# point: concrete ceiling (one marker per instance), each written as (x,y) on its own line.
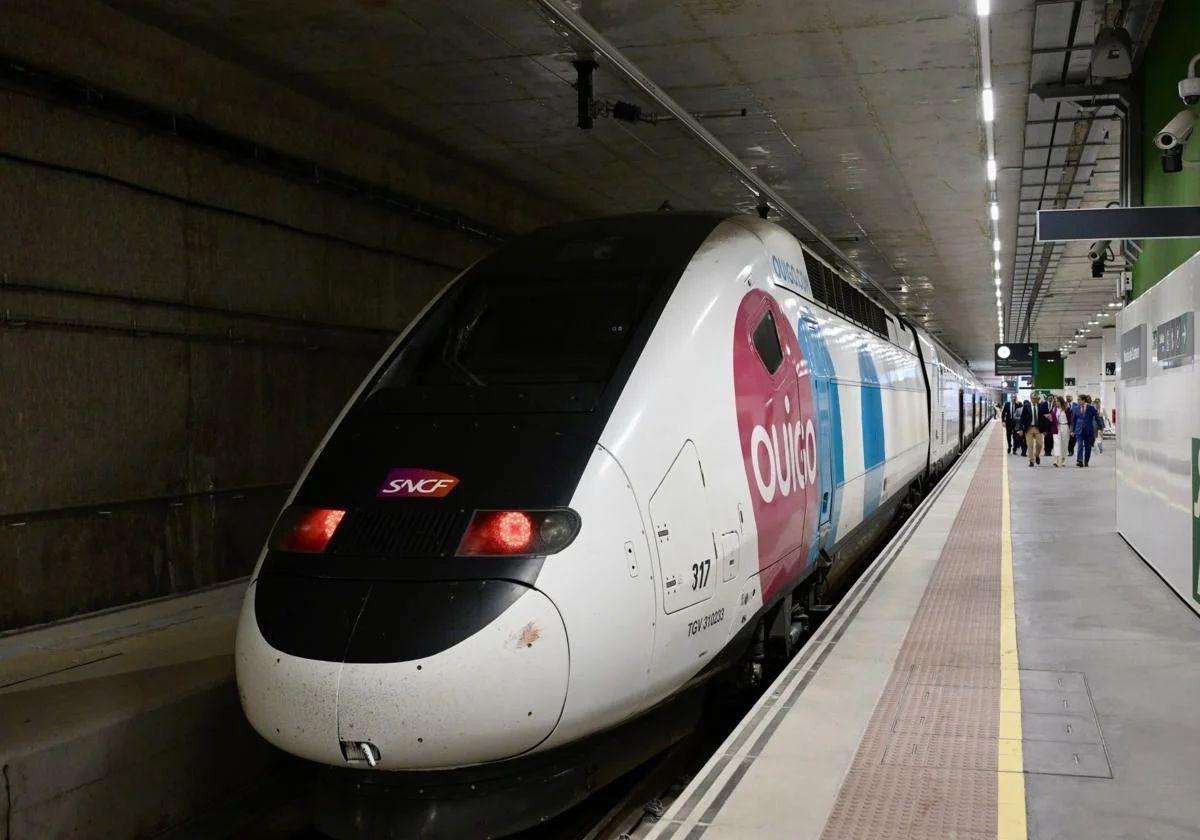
(864,114)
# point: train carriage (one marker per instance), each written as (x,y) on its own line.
(600,469)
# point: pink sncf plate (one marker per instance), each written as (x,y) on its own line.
(414,483)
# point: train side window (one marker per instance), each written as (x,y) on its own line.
(766,343)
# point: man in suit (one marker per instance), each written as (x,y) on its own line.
(1032,438)
(1045,424)
(1006,415)
(1071,406)
(1085,430)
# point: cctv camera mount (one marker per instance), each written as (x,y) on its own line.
(1112,53)
(1176,132)
(1189,88)
(1100,250)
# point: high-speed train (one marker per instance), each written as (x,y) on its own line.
(606,464)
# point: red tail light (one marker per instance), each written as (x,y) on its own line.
(306,530)
(518,532)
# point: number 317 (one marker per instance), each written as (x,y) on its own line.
(700,574)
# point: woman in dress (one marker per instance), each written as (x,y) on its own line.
(1064,431)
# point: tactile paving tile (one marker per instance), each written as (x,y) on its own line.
(946,710)
(926,767)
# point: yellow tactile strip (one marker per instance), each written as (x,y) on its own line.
(927,765)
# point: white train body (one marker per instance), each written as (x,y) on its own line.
(747,432)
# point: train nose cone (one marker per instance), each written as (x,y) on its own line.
(492,695)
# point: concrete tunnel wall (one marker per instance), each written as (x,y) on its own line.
(160,303)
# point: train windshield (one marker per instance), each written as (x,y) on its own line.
(547,323)
(498,331)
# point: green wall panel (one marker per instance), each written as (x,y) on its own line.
(1175,40)
(1049,374)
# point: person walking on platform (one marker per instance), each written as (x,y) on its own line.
(1010,423)
(1046,424)
(1024,421)
(1071,406)
(1099,428)
(1085,430)
(1062,431)
(1033,437)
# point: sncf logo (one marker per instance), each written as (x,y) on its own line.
(409,482)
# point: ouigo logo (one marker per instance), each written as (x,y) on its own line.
(410,482)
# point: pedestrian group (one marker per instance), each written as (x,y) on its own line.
(1036,427)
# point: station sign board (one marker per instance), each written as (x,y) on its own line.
(1133,353)
(1174,341)
(1015,359)
(1068,381)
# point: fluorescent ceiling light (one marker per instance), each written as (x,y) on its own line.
(991,169)
(996,264)
(996,244)
(994,211)
(983,7)
(997,281)
(989,105)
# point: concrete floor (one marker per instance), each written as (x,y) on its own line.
(1113,664)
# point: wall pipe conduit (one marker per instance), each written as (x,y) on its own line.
(22,77)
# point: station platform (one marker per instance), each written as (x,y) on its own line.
(124,723)
(1008,668)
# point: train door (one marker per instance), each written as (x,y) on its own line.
(820,369)
(943,443)
(962,418)
(686,546)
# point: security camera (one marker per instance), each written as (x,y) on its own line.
(1176,132)
(1099,254)
(1189,88)
(1099,250)
(1172,139)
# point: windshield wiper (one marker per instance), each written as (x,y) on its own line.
(450,351)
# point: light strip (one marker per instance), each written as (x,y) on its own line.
(988,102)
